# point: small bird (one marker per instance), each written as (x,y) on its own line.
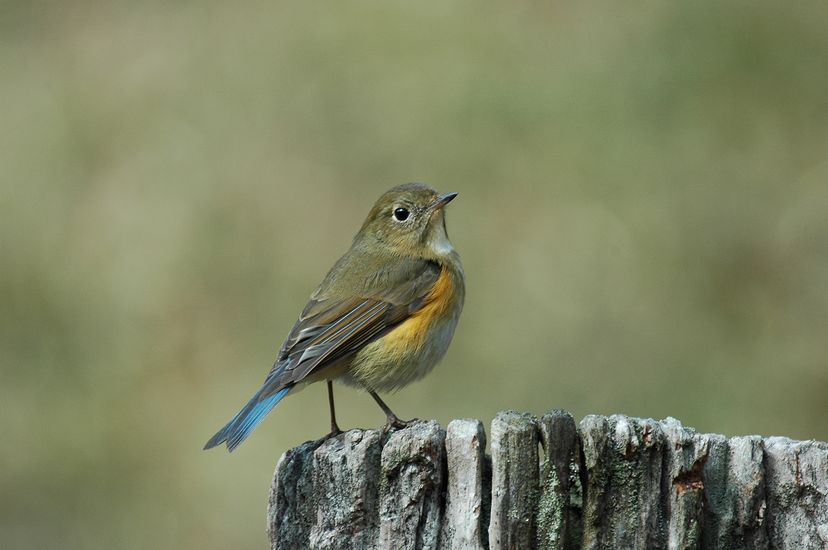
(382,318)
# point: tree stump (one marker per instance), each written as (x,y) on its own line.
(609,483)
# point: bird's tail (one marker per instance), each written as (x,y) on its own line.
(241,425)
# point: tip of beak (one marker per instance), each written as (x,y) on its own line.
(443,200)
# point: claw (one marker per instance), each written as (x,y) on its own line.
(394,423)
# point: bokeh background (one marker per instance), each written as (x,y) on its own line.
(643,217)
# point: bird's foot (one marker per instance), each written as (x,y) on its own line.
(394,423)
(335,431)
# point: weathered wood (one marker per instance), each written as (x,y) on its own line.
(291,508)
(611,482)
(623,458)
(466,518)
(687,454)
(796,480)
(411,487)
(560,501)
(514,480)
(346,480)
(734,481)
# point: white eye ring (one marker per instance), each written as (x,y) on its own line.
(400,214)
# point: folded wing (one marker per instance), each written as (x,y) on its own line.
(334,326)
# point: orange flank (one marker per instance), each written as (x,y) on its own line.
(413,331)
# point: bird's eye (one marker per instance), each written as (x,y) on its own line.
(401,214)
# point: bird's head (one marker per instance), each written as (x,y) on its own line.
(409,220)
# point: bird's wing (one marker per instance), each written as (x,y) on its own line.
(331,328)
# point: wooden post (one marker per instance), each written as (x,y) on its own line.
(610,483)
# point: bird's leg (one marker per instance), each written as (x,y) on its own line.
(393,421)
(335,431)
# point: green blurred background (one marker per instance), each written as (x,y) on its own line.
(643,217)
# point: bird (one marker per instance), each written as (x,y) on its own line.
(382,317)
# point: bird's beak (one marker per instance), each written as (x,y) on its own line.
(441,201)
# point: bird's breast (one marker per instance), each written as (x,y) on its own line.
(414,331)
(414,347)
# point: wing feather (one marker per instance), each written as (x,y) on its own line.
(333,327)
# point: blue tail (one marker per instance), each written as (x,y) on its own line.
(247,419)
